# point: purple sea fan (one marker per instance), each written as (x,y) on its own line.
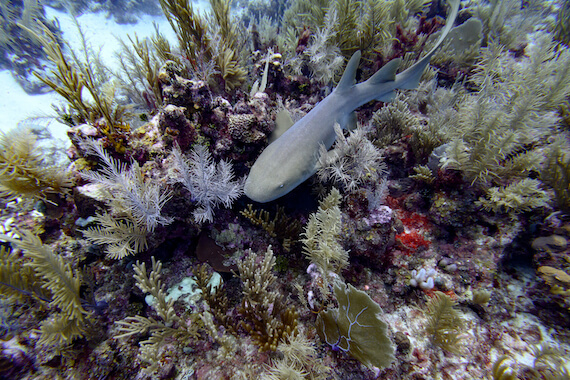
(209,183)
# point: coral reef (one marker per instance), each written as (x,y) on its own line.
(209,183)
(432,241)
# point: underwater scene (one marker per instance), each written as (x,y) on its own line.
(286,189)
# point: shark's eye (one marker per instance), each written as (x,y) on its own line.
(280,186)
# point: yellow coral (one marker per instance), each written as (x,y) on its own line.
(557,279)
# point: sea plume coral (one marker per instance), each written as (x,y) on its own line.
(136,205)
(24,170)
(209,183)
(352,161)
(130,193)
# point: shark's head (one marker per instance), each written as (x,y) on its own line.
(275,174)
(266,188)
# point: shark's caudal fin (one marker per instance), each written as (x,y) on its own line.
(410,78)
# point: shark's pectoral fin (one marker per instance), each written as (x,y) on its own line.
(349,121)
(283,122)
(387,97)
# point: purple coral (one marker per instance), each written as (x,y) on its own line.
(379,215)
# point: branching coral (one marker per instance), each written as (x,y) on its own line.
(524,195)
(18,280)
(227,50)
(549,363)
(265,316)
(281,226)
(197,43)
(501,371)
(216,299)
(556,173)
(190,28)
(322,57)
(131,194)
(493,134)
(562,28)
(140,65)
(493,14)
(136,204)
(24,170)
(232,73)
(71,77)
(352,161)
(351,25)
(299,361)
(305,13)
(444,322)
(122,236)
(169,328)
(395,121)
(346,23)
(505,21)
(60,282)
(321,234)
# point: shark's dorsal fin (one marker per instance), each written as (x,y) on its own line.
(348,78)
(387,73)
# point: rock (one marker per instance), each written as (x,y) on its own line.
(550,243)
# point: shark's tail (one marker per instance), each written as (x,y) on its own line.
(410,78)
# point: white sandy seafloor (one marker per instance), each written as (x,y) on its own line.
(17,108)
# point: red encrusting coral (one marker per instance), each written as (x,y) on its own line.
(412,240)
(416,226)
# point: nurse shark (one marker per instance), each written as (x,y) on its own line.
(292,158)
